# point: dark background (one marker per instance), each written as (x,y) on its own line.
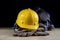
(10,9)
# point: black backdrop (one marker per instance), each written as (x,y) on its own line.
(10,9)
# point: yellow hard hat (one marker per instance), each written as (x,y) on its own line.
(28,19)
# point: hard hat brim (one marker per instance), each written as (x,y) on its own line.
(33,27)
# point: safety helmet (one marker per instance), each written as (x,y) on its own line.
(28,19)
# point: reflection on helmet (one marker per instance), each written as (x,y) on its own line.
(28,19)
